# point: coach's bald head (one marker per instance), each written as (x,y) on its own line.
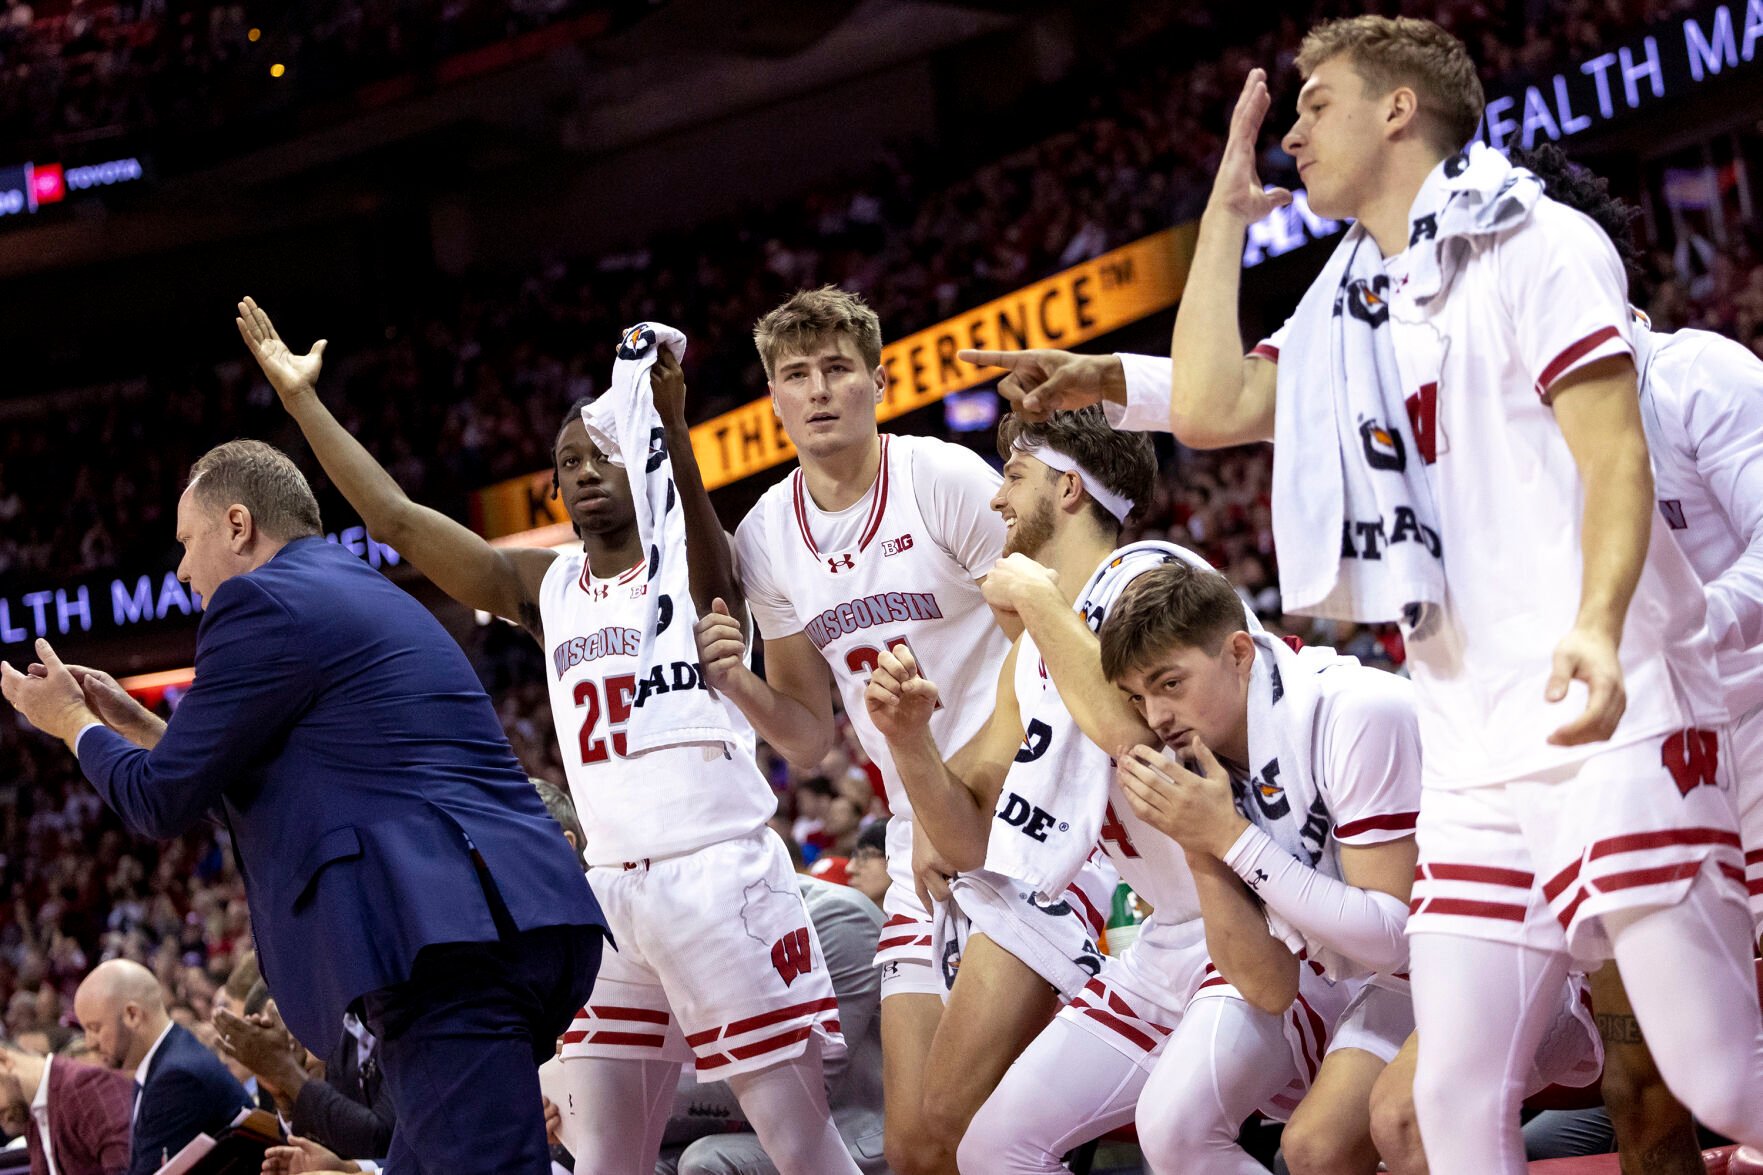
(122,1009)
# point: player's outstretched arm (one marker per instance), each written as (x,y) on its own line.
(709,561)
(1041,382)
(461,563)
(1218,398)
(1021,587)
(952,801)
(1598,411)
(1191,803)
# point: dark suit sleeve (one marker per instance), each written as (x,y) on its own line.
(328,1116)
(177,1107)
(250,686)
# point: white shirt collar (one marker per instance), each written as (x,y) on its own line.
(41,1100)
(147,1061)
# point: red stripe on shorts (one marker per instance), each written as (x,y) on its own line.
(1122,1027)
(1664,838)
(763,1020)
(634,1039)
(1658,875)
(1466,908)
(614,1012)
(1091,915)
(749,1051)
(1486,874)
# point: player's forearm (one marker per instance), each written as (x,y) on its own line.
(383,505)
(1245,953)
(1206,349)
(710,562)
(1616,527)
(1073,657)
(1365,925)
(942,805)
(791,728)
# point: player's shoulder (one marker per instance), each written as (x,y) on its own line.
(775,503)
(931,460)
(1551,229)
(1358,697)
(1690,359)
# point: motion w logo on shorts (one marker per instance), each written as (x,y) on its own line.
(792,955)
(1693,758)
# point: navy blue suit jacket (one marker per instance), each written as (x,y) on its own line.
(361,767)
(187,1092)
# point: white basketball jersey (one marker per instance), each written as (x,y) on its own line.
(660,803)
(896,568)
(1702,403)
(1147,859)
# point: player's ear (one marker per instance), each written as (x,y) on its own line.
(1242,651)
(881,383)
(240,526)
(1401,109)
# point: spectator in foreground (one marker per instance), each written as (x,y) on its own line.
(74,1116)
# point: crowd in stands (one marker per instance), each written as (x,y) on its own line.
(143,72)
(467,390)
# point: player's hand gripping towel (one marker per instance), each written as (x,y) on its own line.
(1345,461)
(624,424)
(1060,779)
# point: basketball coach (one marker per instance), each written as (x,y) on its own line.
(396,858)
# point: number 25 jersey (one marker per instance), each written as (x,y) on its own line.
(663,802)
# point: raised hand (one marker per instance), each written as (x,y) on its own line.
(1015,578)
(50,698)
(667,382)
(115,706)
(721,648)
(899,699)
(292,376)
(1237,189)
(1042,382)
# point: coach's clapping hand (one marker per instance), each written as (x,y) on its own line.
(722,649)
(114,706)
(292,376)
(1192,805)
(899,699)
(50,698)
(1042,382)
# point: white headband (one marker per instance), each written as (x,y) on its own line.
(1053,459)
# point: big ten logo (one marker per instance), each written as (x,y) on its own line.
(895,546)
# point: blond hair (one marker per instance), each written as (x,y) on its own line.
(809,317)
(1387,52)
(265,481)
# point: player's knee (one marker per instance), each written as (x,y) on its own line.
(1395,1130)
(1171,1128)
(1721,1103)
(1315,1145)
(985,1141)
(908,1151)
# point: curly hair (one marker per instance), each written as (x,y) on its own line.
(1585,191)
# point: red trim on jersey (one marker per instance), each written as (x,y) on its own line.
(1091,915)
(1664,838)
(1754,857)
(583,580)
(1466,908)
(1755,886)
(1560,363)
(1318,1030)
(1388,822)
(1486,874)
(1215,981)
(1265,351)
(878,504)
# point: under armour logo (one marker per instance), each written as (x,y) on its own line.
(1260,876)
(838,563)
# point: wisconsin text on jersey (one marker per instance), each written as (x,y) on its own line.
(868,611)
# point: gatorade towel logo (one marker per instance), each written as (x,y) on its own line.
(1384,448)
(636,341)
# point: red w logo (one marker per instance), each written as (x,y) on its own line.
(792,955)
(1423,415)
(1692,757)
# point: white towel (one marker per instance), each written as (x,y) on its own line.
(623,422)
(1345,461)
(1281,794)
(1059,783)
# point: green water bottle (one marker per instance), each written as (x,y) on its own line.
(1125,916)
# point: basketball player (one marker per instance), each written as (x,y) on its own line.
(1606,836)
(1083,1074)
(717,962)
(878,542)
